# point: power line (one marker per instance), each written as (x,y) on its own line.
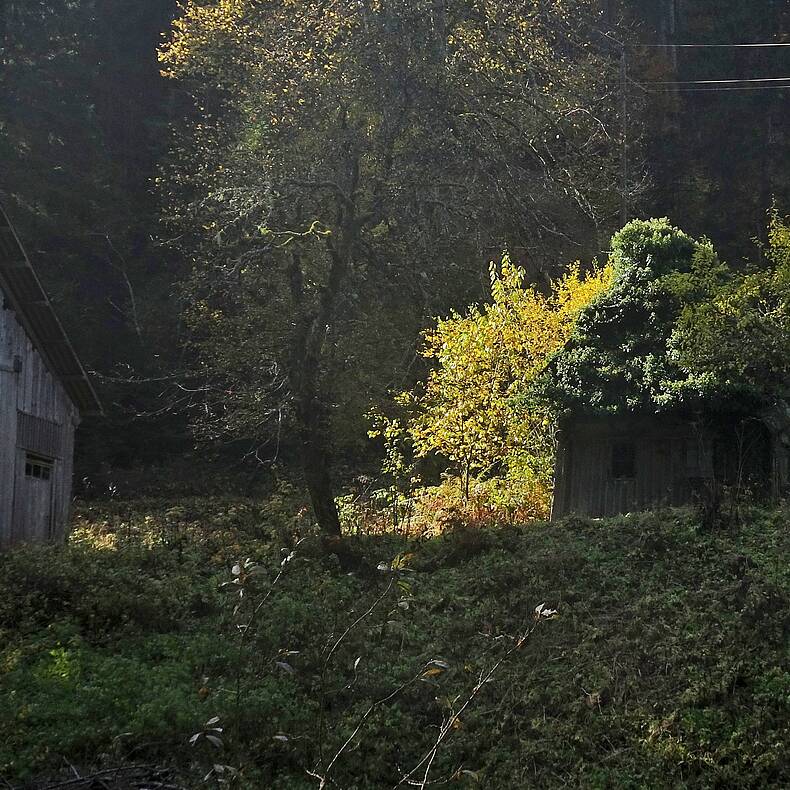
(703,46)
(716,82)
(644,89)
(712,86)
(646,45)
(716,90)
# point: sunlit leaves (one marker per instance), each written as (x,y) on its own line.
(475,408)
(738,338)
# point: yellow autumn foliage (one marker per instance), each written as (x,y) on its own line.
(475,407)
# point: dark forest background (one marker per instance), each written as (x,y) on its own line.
(87,124)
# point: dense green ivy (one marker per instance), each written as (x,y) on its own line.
(629,350)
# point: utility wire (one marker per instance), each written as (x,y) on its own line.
(645,45)
(711,86)
(716,82)
(717,90)
(642,87)
(701,46)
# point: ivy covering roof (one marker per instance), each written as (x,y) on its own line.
(620,358)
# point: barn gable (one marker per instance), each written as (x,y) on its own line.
(44,391)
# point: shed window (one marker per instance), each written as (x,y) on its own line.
(37,467)
(623,459)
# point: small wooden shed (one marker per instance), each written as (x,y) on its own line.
(44,392)
(608,465)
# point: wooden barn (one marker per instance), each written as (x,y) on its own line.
(43,394)
(609,465)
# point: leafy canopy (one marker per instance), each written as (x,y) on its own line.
(618,356)
(679,329)
(348,167)
(740,338)
(475,407)
(392,128)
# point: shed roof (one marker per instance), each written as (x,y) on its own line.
(27,298)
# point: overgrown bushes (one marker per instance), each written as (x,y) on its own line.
(665,669)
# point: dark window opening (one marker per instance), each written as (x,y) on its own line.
(623,459)
(693,451)
(38,468)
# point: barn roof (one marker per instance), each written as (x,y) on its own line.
(34,311)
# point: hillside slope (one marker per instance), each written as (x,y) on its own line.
(666,666)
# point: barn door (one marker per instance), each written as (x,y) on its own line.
(33,500)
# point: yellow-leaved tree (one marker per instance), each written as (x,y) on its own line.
(476,408)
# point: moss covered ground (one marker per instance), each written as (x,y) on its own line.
(667,665)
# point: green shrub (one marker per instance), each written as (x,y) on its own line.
(665,669)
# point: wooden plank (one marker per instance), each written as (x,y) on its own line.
(8,396)
(34,390)
(669,453)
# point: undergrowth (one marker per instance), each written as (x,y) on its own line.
(667,665)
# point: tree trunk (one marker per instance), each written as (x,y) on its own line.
(305,375)
(316,461)
(316,465)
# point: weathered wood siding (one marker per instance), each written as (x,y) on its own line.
(670,462)
(37,417)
